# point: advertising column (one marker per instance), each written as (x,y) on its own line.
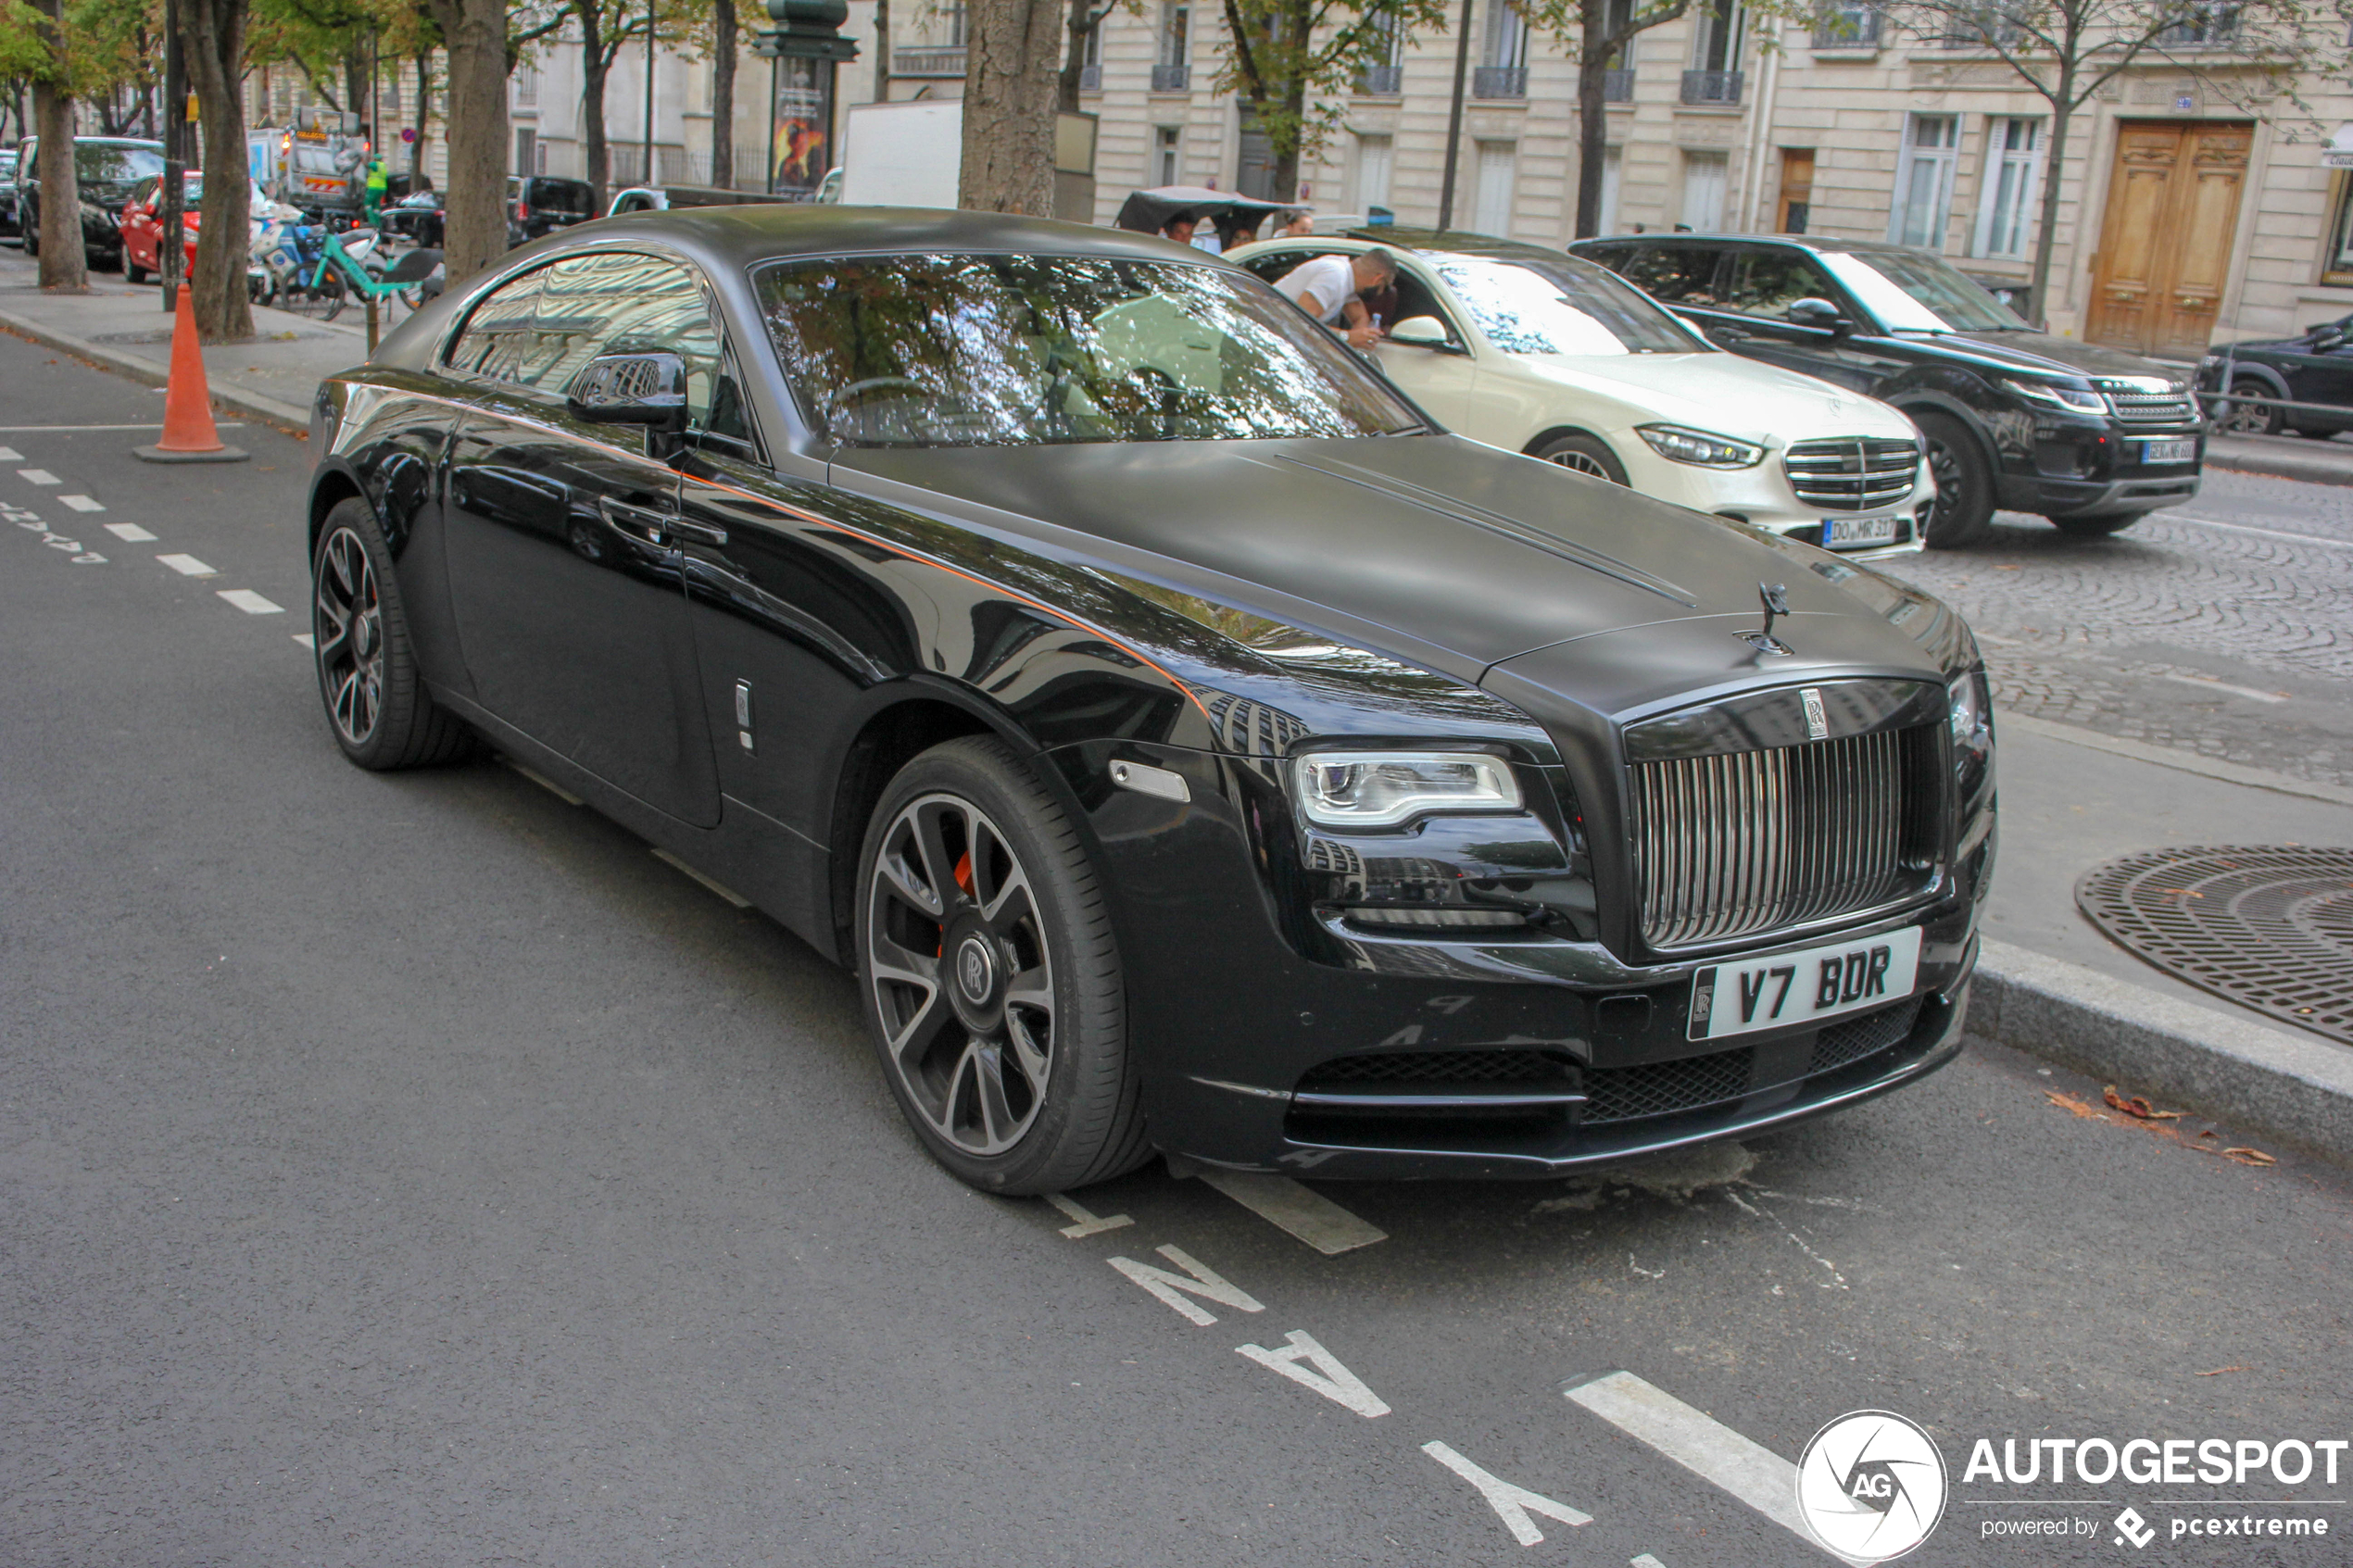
(807,51)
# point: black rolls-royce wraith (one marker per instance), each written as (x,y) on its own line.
(1188,744)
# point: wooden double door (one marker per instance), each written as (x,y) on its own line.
(2165,245)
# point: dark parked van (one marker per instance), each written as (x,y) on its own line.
(2092,438)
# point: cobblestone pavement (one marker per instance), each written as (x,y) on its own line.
(2224,627)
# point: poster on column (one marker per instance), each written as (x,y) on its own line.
(804,126)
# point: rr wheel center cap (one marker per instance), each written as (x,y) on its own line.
(975,971)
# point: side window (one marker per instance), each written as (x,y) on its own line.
(1674,274)
(1766,282)
(1272,267)
(501,338)
(1414,298)
(618,303)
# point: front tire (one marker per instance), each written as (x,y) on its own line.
(2252,410)
(990,977)
(1582,453)
(1964,513)
(131,271)
(377,705)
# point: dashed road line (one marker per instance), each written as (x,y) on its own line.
(1646,1560)
(1512,1504)
(250,602)
(666,857)
(130,532)
(2209,683)
(2250,528)
(1308,1215)
(10,454)
(1701,1443)
(38,476)
(187,566)
(306,640)
(81,503)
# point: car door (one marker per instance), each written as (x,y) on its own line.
(1750,316)
(2320,374)
(141,234)
(1444,380)
(564,571)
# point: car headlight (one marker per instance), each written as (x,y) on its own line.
(1380,789)
(2075,400)
(1708,450)
(1970,702)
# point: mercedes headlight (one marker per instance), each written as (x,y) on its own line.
(1382,789)
(2075,400)
(1703,449)
(1970,702)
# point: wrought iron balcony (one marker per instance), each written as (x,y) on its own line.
(1499,82)
(1850,29)
(1380,82)
(1618,87)
(927,62)
(1172,79)
(1711,87)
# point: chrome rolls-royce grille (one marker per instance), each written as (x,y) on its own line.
(1852,473)
(2144,406)
(1742,841)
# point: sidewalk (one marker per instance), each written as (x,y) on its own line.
(2049,982)
(122,327)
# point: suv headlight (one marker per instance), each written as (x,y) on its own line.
(1677,443)
(1380,789)
(1971,705)
(2075,400)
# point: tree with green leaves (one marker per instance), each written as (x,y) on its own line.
(1292,63)
(2249,54)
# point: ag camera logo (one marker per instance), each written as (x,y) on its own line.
(1871,1486)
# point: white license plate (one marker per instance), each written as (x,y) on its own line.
(1845,533)
(2168,451)
(1782,989)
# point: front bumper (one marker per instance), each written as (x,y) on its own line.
(1228,1019)
(1760,494)
(2063,468)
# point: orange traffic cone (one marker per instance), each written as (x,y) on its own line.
(188,432)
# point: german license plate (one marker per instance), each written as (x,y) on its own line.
(1784,989)
(2168,451)
(1849,532)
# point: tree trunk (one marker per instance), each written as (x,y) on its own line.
(1593,124)
(882,51)
(2038,309)
(424,118)
(1083,22)
(474,32)
(596,65)
(723,94)
(213,34)
(63,265)
(1286,173)
(1013,58)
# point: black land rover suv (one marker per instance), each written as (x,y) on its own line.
(2092,438)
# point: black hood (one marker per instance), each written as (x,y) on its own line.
(2048,353)
(1432,548)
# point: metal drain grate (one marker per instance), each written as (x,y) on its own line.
(2267,926)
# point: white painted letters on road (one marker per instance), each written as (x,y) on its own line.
(1330,1379)
(1204,1282)
(1512,1504)
(1086,1223)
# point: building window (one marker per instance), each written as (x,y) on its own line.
(2203,27)
(1090,59)
(2013,182)
(1613,164)
(1924,182)
(955,19)
(526,151)
(1170,73)
(1498,171)
(1168,157)
(1376,155)
(1797,190)
(1704,175)
(1716,38)
(2336,268)
(1383,72)
(1505,74)
(526,86)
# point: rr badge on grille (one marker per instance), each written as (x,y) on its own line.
(1817,723)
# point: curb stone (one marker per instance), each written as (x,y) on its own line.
(2250,456)
(227,395)
(2298,1089)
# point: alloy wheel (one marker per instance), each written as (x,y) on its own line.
(346,624)
(963,978)
(2248,417)
(1580,462)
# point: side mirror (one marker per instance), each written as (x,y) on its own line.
(1420,331)
(631,389)
(1817,313)
(2325,339)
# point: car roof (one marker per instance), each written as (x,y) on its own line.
(1791,242)
(1454,242)
(742,236)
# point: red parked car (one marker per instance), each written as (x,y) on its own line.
(143,227)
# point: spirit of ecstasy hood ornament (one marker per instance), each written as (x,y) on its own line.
(1775,596)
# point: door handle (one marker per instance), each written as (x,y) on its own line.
(657,525)
(699,533)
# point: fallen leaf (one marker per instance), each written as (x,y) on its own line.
(2210,1133)
(2246,1155)
(2137,1108)
(2010,569)
(2221,1369)
(2069,1102)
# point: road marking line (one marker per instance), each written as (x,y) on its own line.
(728,893)
(1646,1560)
(550,785)
(306,640)
(92,558)
(1330,1379)
(1205,1281)
(38,476)
(1512,1504)
(1089,1224)
(1701,1443)
(250,602)
(130,532)
(187,566)
(2250,528)
(2211,685)
(81,503)
(10,454)
(1310,1216)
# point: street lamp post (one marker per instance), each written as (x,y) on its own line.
(649,95)
(170,254)
(806,52)
(1454,121)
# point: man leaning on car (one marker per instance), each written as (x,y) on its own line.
(1332,286)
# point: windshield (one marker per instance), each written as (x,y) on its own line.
(1568,308)
(100,164)
(1016,350)
(1911,293)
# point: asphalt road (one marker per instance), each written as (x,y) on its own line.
(415,1169)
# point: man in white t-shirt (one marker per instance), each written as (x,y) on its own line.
(1331,289)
